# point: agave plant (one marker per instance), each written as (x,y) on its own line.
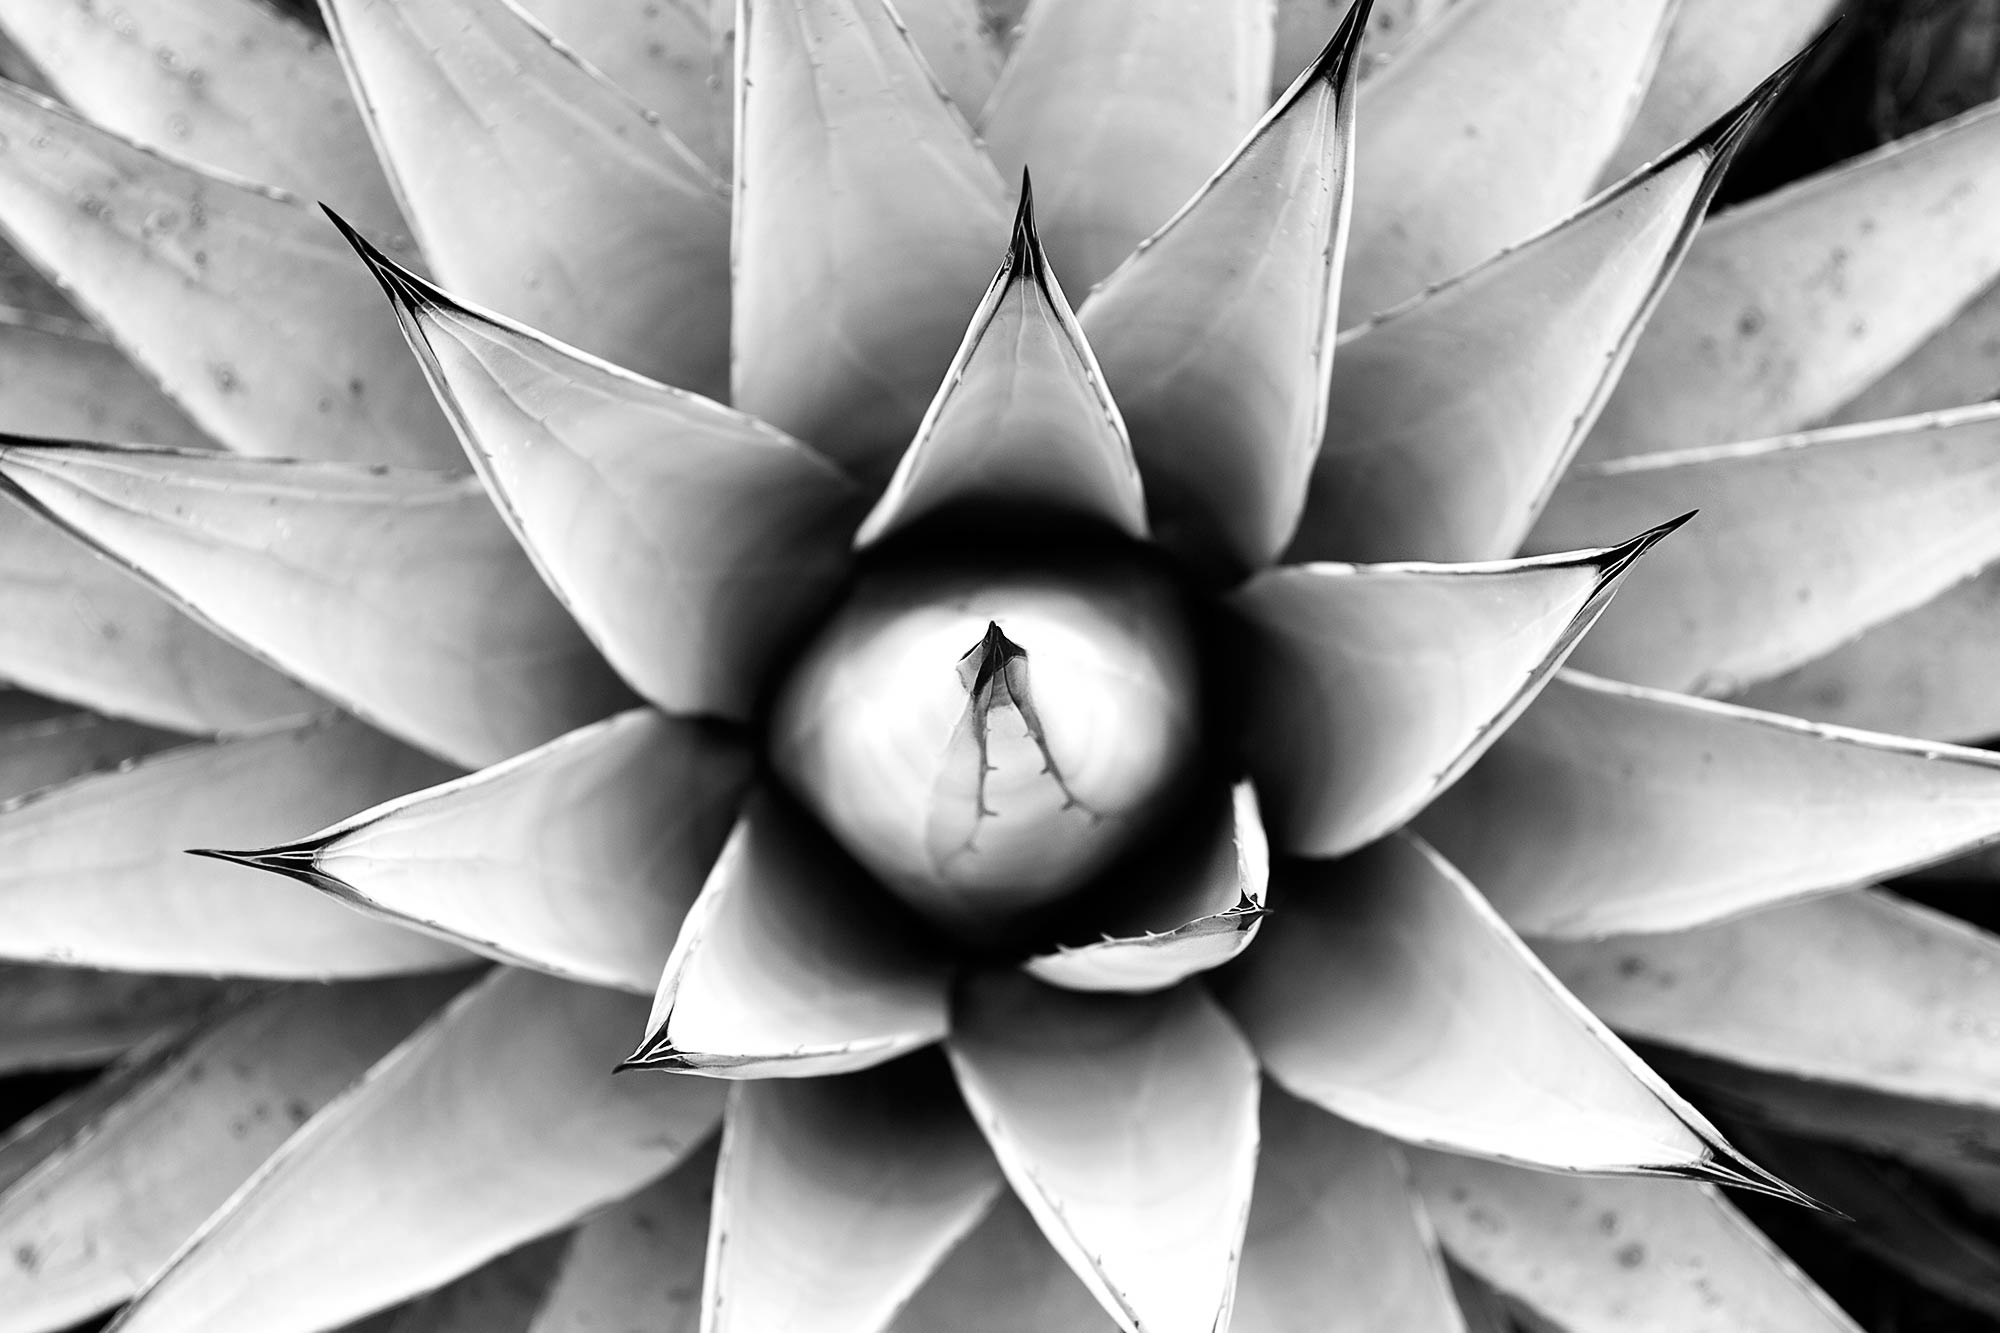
(1074,781)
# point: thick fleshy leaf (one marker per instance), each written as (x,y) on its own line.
(637,1264)
(1613,808)
(1861,999)
(48,1129)
(64,379)
(1715,51)
(1801,543)
(956,40)
(1128,1126)
(1004,1278)
(1489,127)
(1788,305)
(400,594)
(793,964)
(1960,363)
(866,219)
(1123,108)
(1337,1241)
(836,1197)
(1192,904)
(1592,1255)
(66,1018)
(58,749)
(94,875)
(593,223)
(1023,419)
(689,540)
(241,301)
(229,84)
(1450,420)
(497,1122)
(578,858)
(75,626)
(94,1221)
(1374,686)
(1220,362)
(1389,993)
(668,56)
(1929,672)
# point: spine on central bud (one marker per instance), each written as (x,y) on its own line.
(987,743)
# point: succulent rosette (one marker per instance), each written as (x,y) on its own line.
(1137,787)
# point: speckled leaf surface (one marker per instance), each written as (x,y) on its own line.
(64,379)
(638,1263)
(493,1124)
(400,594)
(1801,543)
(229,84)
(241,301)
(88,1226)
(1613,808)
(1789,304)
(595,224)
(1618,1256)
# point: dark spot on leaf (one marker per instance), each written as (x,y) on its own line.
(1631,1256)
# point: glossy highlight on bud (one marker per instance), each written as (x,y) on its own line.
(987,742)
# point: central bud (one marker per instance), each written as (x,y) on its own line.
(984,742)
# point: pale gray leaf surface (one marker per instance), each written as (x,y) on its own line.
(1023,417)
(638,1264)
(689,540)
(865,224)
(1216,336)
(229,84)
(592,222)
(1003,1278)
(792,963)
(401,595)
(1928,672)
(1338,1242)
(1612,808)
(1374,686)
(241,301)
(1389,993)
(1122,108)
(95,874)
(1304,25)
(75,626)
(666,53)
(1128,1126)
(957,41)
(1788,305)
(505,1295)
(64,379)
(1597,1255)
(1450,419)
(89,1225)
(1960,363)
(50,1127)
(836,1197)
(1190,905)
(69,1018)
(1858,989)
(1715,52)
(1801,543)
(497,1122)
(1491,125)
(578,858)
